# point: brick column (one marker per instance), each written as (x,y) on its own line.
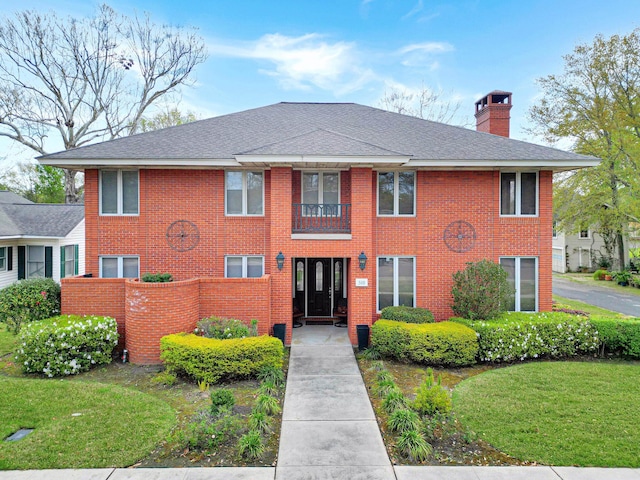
(280,241)
(362,300)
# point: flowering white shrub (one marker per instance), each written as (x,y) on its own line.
(517,336)
(66,345)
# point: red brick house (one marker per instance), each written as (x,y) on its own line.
(308,206)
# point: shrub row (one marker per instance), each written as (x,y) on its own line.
(407,314)
(66,345)
(621,337)
(518,336)
(29,300)
(209,360)
(444,343)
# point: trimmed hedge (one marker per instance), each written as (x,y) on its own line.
(209,359)
(443,343)
(621,337)
(66,345)
(407,314)
(518,336)
(29,300)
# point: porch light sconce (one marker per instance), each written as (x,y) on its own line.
(280,260)
(362,260)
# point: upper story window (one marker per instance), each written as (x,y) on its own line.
(119,192)
(243,266)
(554,233)
(584,234)
(519,193)
(119,267)
(396,193)
(244,193)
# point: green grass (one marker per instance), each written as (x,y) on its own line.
(116,426)
(585,307)
(7,341)
(557,413)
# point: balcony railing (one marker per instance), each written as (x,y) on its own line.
(321,218)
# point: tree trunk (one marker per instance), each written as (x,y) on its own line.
(620,242)
(71,193)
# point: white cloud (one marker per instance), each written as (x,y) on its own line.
(422,54)
(416,9)
(303,62)
(427,47)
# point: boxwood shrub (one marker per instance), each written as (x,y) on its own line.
(66,345)
(407,314)
(29,300)
(620,337)
(443,343)
(516,336)
(210,359)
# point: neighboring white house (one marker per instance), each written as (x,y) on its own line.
(573,252)
(39,240)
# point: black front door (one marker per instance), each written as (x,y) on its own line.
(319,287)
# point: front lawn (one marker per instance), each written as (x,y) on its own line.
(7,341)
(78,425)
(557,413)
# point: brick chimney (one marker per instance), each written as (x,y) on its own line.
(492,113)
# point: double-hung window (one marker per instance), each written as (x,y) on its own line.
(320,188)
(3,258)
(519,193)
(236,266)
(119,192)
(35,261)
(396,281)
(119,267)
(396,193)
(522,274)
(244,193)
(68,260)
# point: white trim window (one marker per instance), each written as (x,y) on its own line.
(584,234)
(244,193)
(396,281)
(119,192)
(519,194)
(523,276)
(126,266)
(554,232)
(3,259)
(241,266)
(396,193)
(35,261)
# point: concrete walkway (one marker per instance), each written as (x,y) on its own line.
(329,432)
(329,429)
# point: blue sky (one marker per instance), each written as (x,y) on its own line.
(262,52)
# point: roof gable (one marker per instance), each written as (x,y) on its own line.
(39,220)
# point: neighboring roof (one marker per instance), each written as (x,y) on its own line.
(39,219)
(301,130)
(10,197)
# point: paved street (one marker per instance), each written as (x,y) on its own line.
(603,297)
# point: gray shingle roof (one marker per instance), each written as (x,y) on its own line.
(10,197)
(321,128)
(39,219)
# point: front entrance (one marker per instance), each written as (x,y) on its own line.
(319,285)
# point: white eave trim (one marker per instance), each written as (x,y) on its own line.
(30,237)
(497,164)
(320,159)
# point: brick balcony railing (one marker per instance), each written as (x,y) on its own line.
(321,218)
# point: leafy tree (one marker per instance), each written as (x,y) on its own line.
(425,103)
(595,104)
(168,118)
(38,183)
(70,81)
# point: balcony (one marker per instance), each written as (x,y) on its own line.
(321,218)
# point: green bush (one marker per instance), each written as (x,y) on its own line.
(443,343)
(66,345)
(222,400)
(520,336)
(225,328)
(599,274)
(209,360)
(481,291)
(157,277)
(618,336)
(29,300)
(432,397)
(407,314)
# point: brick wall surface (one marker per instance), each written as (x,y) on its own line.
(442,197)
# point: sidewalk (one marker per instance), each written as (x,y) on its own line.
(329,432)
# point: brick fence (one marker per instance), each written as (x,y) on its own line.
(145,312)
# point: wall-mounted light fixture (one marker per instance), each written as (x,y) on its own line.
(280,260)
(362,260)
